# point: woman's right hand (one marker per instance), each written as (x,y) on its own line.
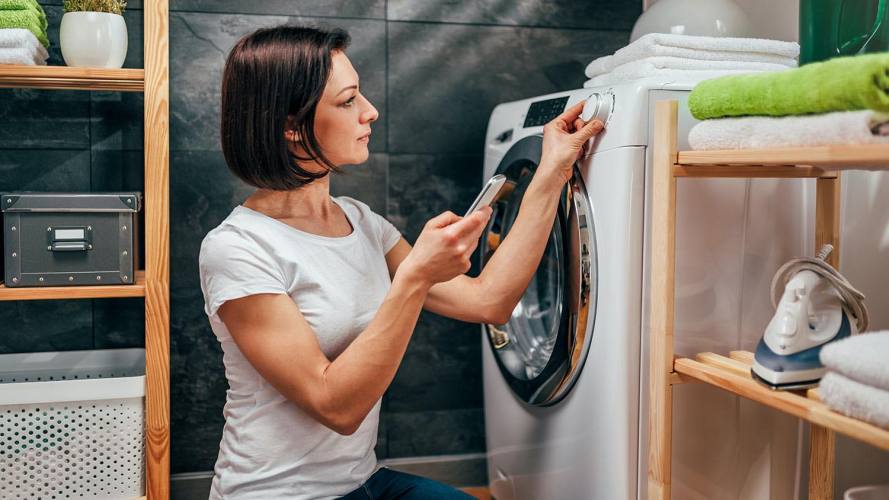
(444,247)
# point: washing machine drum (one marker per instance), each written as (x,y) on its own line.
(542,348)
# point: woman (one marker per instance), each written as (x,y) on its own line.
(314,298)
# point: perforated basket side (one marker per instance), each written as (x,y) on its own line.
(83,449)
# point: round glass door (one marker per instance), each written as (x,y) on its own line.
(541,349)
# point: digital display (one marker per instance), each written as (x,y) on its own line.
(542,112)
(70,234)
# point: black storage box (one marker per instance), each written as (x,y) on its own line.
(56,239)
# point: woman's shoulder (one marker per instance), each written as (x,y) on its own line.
(358,210)
(231,236)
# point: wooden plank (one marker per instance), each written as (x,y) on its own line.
(822,453)
(137,289)
(70,78)
(157,249)
(792,403)
(747,172)
(836,157)
(678,378)
(745,357)
(728,364)
(827,217)
(663,264)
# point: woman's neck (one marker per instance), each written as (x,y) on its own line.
(312,200)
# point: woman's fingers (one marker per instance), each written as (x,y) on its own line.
(586,132)
(571,114)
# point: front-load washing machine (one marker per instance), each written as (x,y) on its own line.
(564,378)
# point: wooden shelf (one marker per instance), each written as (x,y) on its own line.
(137,289)
(68,78)
(733,374)
(839,157)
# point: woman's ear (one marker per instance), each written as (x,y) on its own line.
(291,136)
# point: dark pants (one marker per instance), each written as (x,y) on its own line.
(390,484)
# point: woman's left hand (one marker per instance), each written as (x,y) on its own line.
(563,141)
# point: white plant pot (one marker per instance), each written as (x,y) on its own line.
(93,39)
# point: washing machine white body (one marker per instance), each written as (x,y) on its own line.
(590,441)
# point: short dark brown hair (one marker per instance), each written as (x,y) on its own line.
(269,75)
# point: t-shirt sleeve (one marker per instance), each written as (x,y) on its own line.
(231,267)
(390,234)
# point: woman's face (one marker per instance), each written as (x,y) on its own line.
(343,115)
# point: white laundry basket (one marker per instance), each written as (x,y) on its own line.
(72,424)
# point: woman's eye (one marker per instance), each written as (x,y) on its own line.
(349,102)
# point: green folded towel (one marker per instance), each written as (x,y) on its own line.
(840,84)
(26,19)
(25,5)
(20,5)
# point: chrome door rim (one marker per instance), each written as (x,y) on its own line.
(575,217)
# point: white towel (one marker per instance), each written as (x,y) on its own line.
(855,399)
(18,38)
(664,66)
(22,57)
(864,358)
(761,132)
(700,48)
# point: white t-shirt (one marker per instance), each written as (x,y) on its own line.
(270,448)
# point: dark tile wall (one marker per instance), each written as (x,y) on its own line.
(435,70)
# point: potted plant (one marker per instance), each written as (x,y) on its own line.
(93,33)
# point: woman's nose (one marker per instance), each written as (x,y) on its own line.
(370,114)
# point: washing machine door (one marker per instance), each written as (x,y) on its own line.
(542,348)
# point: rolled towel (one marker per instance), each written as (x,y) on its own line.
(861,357)
(26,19)
(20,38)
(762,132)
(661,66)
(24,57)
(854,399)
(700,48)
(840,84)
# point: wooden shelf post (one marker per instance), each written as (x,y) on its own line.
(157,250)
(663,262)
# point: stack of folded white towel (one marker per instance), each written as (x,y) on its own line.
(698,57)
(857,381)
(20,46)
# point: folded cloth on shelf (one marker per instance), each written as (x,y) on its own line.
(762,132)
(699,48)
(839,84)
(675,67)
(27,19)
(854,399)
(864,358)
(20,38)
(20,5)
(24,57)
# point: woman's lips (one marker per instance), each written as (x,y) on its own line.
(364,138)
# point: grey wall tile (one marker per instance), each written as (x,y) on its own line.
(117,170)
(199,44)
(436,432)
(44,170)
(442,94)
(422,186)
(44,119)
(203,193)
(46,325)
(591,14)
(330,8)
(441,369)
(198,384)
(118,323)
(365,182)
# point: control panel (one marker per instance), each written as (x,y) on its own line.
(541,112)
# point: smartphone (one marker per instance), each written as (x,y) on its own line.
(488,194)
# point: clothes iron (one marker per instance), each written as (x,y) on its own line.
(814,305)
